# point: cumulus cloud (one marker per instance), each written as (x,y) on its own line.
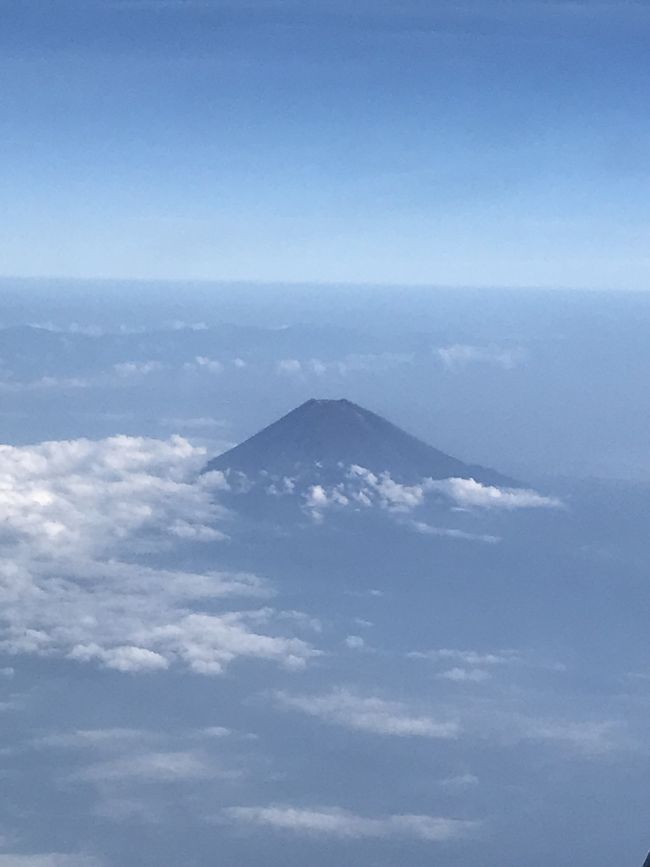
(73,512)
(469,493)
(459,355)
(369,714)
(341,824)
(363,488)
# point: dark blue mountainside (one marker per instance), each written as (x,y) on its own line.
(322,437)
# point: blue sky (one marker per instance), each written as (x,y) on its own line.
(476,143)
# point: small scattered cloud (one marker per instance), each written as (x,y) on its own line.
(92,739)
(370,714)
(53,859)
(290,366)
(130,369)
(468,493)
(458,356)
(154,767)
(336,823)
(205,364)
(589,737)
(349,364)
(452,533)
(460,781)
(465,675)
(468,657)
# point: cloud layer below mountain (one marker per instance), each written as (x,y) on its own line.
(79,518)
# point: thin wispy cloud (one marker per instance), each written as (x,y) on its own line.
(336,823)
(458,356)
(367,714)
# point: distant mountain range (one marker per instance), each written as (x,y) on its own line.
(320,438)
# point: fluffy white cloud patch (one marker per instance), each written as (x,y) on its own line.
(368,713)
(363,489)
(349,364)
(73,512)
(342,824)
(469,493)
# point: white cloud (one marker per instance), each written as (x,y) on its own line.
(459,355)
(215,732)
(460,781)
(470,493)
(71,509)
(8,859)
(451,533)
(352,363)
(44,383)
(203,363)
(342,824)
(154,767)
(129,369)
(289,366)
(363,489)
(391,494)
(468,657)
(370,714)
(590,737)
(124,658)
(468,666)
(94,738)
(465,675)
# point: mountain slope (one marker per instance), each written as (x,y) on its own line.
(324,436)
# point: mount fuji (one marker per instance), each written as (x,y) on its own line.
(321,438)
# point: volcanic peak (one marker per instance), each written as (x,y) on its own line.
(321,436)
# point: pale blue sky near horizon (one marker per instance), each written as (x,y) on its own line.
(473,143)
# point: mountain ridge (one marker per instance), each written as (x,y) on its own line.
(324,435)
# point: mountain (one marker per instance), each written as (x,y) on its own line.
(321,438)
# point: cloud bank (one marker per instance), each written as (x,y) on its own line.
(73,513)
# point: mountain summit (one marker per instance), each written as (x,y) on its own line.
(321,437)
